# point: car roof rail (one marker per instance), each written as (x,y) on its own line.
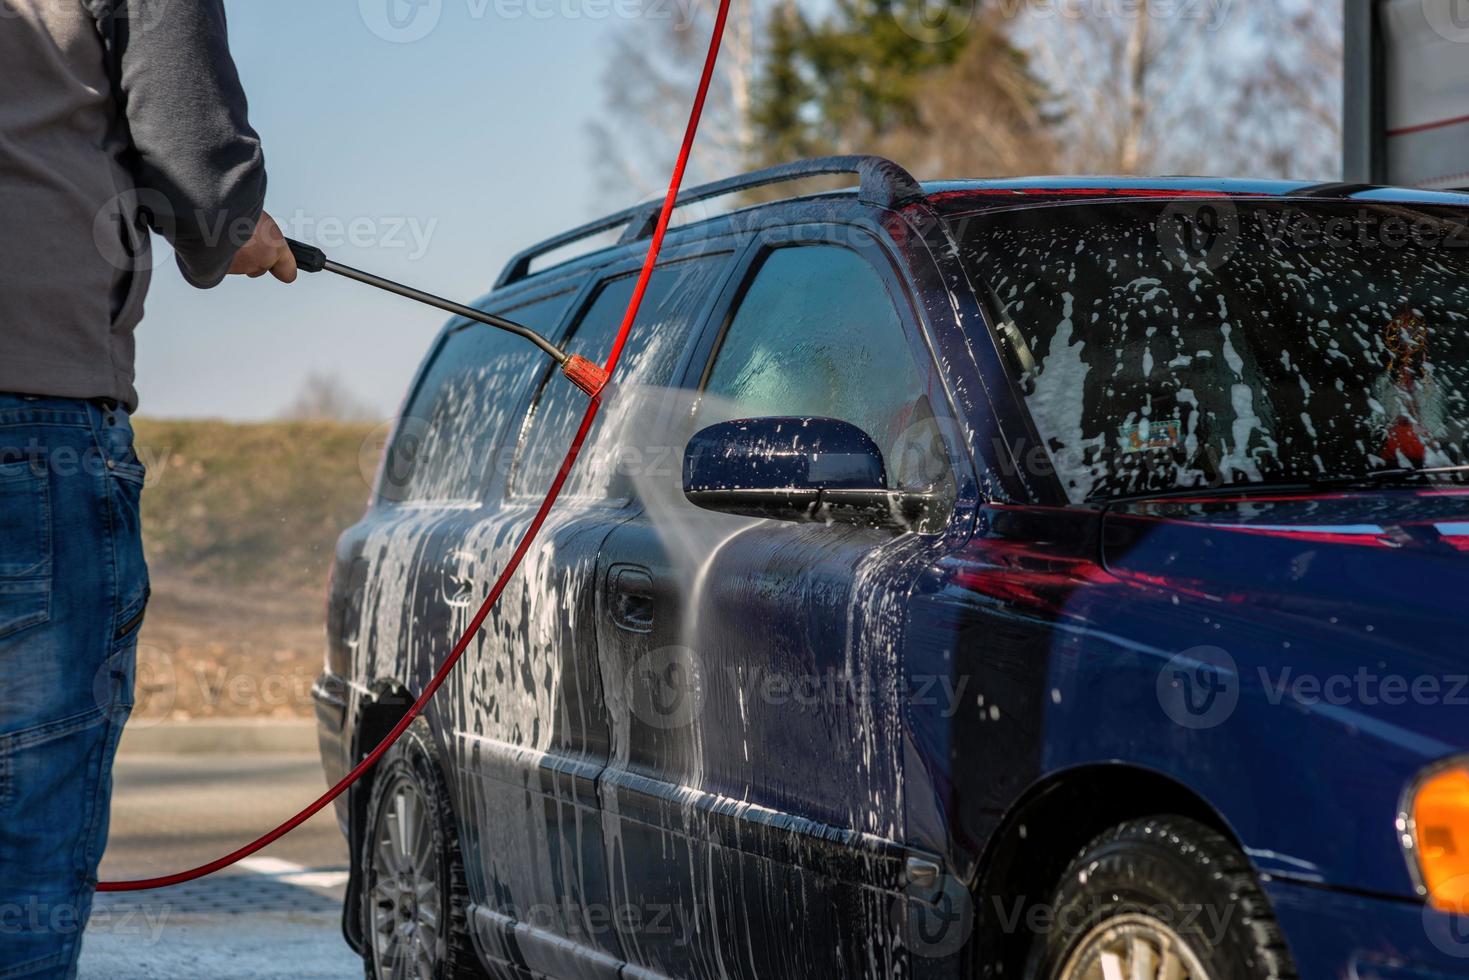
(882,183)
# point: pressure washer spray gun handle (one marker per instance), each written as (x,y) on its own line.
(309,258)
(585,374)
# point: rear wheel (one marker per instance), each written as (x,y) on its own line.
(415,900)
(1162,898)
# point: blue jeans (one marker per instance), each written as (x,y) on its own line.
(73,586)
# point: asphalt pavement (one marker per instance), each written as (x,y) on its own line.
(277,915)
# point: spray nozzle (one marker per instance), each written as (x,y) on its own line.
(586,375)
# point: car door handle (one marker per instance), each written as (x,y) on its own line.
(630,598)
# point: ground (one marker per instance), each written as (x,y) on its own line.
(211,651)
(279,915)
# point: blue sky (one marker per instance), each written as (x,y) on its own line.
(430,161)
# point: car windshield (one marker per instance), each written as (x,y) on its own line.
(1208,342)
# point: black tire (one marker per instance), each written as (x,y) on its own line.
(1169,870)
(410,770)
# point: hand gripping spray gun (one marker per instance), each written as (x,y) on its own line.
(586,375)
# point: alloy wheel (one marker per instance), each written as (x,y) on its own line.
(1133,947)
(406,900)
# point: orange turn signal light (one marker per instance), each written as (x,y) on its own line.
(1440,811)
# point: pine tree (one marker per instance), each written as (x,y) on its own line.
(886,75)
(782,92)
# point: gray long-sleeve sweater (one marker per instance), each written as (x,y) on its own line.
(116,116)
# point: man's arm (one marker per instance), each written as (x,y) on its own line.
(189,121)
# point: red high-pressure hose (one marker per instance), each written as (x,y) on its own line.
(654,247)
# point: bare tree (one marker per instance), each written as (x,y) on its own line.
(982,116)
(1249,86)
(1288,97)
(1119,72)
(1127,86)
(1138,60)
(324,397)
(652,74)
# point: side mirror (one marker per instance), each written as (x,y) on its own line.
(798,469)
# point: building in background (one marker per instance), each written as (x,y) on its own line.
(1407,92)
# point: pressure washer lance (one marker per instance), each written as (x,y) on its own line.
(586,375)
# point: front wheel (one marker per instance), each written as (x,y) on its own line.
(1162,898)
(414,896)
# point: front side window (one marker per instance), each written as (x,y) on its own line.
(816,333)
(1167,346)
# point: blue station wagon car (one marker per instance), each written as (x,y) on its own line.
(1050,578)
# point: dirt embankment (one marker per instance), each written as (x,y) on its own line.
(239,522)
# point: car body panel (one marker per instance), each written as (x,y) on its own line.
(1362,937)
(1026,642)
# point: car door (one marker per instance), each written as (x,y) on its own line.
(528,712)
(754,798)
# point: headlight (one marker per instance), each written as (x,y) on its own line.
(1434,826)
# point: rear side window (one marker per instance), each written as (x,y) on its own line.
(660,335)
(456,430)
(817,334)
